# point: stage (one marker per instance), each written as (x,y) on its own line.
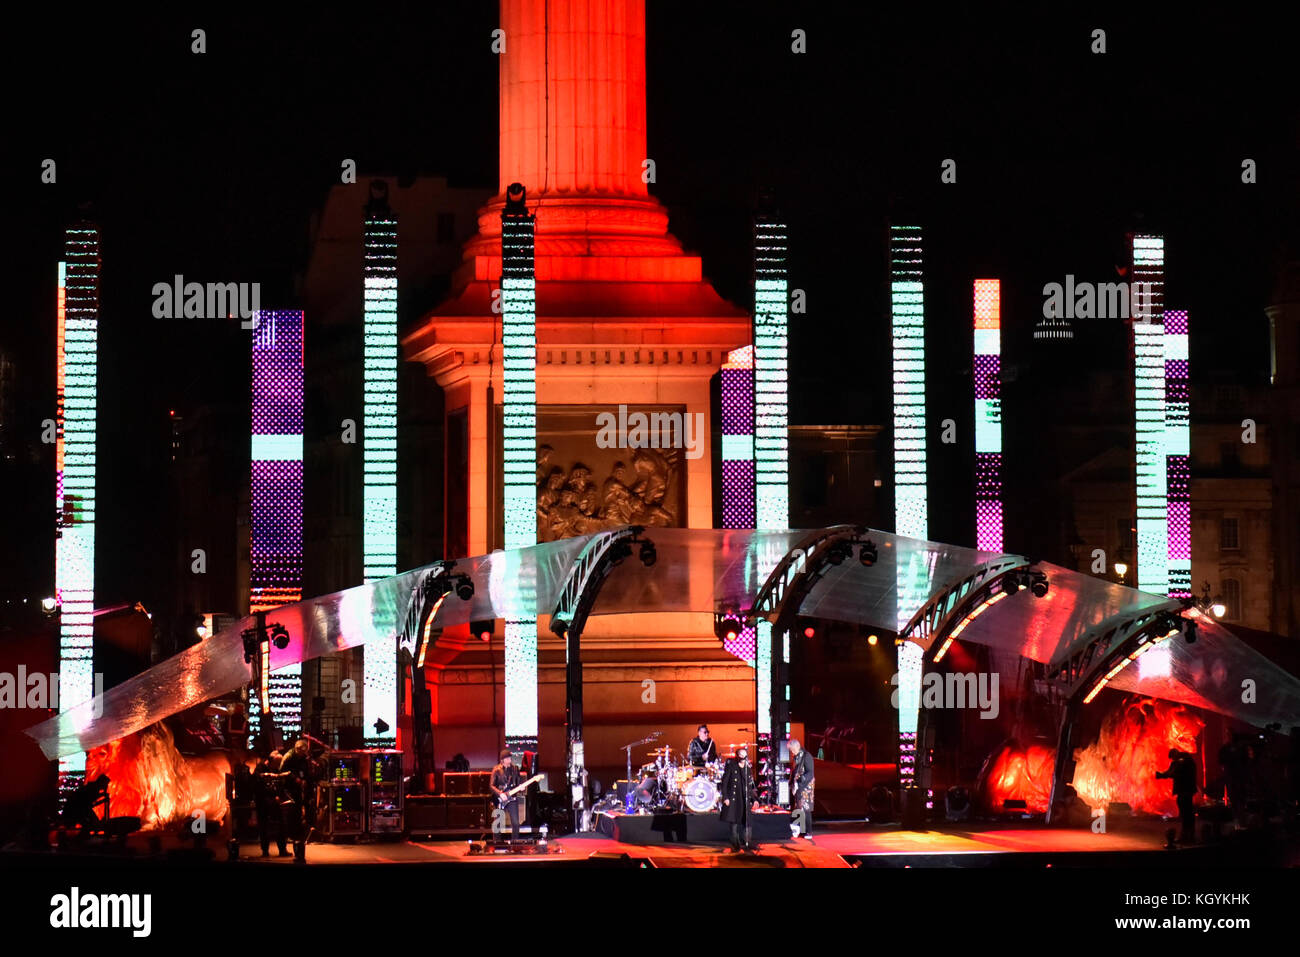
(1139,845)
(687,828)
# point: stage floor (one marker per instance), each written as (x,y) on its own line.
(1027,845)
(835,845)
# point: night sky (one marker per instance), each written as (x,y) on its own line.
(211,165)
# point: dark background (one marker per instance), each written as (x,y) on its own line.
(210,166)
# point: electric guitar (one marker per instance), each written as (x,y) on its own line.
(506,797)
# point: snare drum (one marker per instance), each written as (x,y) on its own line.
(685,775)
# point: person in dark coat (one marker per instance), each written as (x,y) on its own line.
(266,795)
(738,793)
(801,778)
(1182,771)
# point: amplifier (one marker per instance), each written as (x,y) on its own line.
(425,813)
(468,813)
(466,782)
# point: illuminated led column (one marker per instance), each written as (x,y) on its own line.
(78,370)
(738,439)
(1178,440)
(988,415)
(771,400)
(771,421)
(519,458)
(907,305)
(738,462)
(907,300)
(379,452)
(275,493)
(1149,394)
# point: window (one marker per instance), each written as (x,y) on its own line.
(1232,599)
(1228,535)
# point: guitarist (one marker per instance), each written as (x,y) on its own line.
(504,777)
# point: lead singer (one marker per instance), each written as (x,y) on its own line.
(738,798)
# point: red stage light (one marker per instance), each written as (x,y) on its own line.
(809,632)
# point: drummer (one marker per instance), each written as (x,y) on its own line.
(702,750)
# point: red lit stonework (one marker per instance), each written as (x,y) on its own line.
(624,315)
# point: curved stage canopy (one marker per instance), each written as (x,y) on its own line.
(703,571)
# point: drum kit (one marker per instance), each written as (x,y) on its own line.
(671,783)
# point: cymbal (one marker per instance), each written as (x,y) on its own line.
(658,752)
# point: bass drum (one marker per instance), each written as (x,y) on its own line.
(700,795)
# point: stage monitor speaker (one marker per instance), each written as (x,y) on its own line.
(425,813)
(467,813)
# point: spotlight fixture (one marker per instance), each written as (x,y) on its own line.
(48,605)
(648,554)
(465,588)
(867,553)
(834,553)
(1189,631)
(810,632)
(1011,583)
(201,631)
(1038,584)
(726,626)
(482,630)
(279,636)
(872,639)
(1121,570)
(619,551)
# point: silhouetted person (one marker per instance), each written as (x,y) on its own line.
(266,795)
(1182,771)
(1235,762)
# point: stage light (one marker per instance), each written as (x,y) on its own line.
(872,639)
(867,553)
(1039,584)
(279,636)
(1011,583)
(482,630)
(726,627)
(48,605)
(465,589)
(1189,632)
(201,631)
(1219,608)
(810,632)
(834,554)
(1121,570)
(648,554)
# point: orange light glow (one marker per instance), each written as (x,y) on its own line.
(151,780)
